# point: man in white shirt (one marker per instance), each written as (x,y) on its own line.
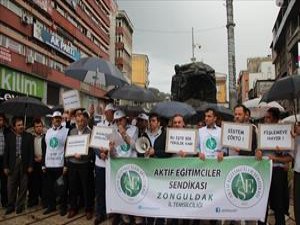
(210,137)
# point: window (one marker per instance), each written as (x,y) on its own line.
(39,58)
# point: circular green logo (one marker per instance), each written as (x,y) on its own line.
(211,143)
(53,142)
(244,186)
(131,183)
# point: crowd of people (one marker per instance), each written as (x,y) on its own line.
(34,169)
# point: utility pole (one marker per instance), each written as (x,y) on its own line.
(231,55)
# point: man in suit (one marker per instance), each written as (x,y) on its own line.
(80,171)
(3,178)
(18,162)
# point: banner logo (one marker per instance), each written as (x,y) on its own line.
(211,144)
(244,186)
(132,183)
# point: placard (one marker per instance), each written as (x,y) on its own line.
(181,140)
(71,100)
(77,144)
(272,135)
(237,135)
(100,137)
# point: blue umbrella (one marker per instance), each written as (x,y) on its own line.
(96,71)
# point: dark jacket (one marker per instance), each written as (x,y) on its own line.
(27,152)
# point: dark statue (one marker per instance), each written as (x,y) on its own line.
(194,82)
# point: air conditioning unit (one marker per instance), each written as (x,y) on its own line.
(29,59)
(26,19)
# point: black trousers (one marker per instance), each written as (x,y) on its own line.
(81,176)
(3,184)
(297,197)
(52,190)
(36,185)
(100,191)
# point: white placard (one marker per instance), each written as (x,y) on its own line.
(100,137)
(71,100)
(77,144)
(237,135)
(272,135)
(181,140)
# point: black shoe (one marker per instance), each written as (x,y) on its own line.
(49,210)
(63,211)
(19,210)
(99,220)
(9,210)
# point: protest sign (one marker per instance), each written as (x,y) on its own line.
(181,140)
(237,135)
(71,99)
(77,144)
(271,136)
(234,189)
(100,137)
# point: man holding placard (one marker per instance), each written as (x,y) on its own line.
(279,194)
(210,137)
(80,171)
(100,164)
(53,164)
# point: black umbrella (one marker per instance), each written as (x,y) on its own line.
(223,112)
(285,88)
(24,106)
(96,71)
(132,110)
(169,109)
(133,93)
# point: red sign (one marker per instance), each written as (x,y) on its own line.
(5,54)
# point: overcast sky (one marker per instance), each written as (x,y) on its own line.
(163,31)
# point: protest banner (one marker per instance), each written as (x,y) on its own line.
(237,135)
(71,99)
(181,140)
(271,136)
(77,144)
(100,137)
(235,189)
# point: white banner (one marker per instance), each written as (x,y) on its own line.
(235,189)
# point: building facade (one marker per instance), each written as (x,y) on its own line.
(124,32)
(140,70)
(243,86)
(221,89)
(39,39)
(286,38)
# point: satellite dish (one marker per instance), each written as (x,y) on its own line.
(279,3)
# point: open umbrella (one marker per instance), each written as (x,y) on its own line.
(291,119)
(132,92)
(224,112)
(24,106)
(169,109)
(132,110)
(96,71)
(284,88)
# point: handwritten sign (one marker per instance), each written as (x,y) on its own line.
(272,135)
(181,140)
(237,135)
(77,144)
(71,99)
(100,137)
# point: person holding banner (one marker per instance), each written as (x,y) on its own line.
(80,171)
(210,137)
(279,193)
(123,145)
(297,174)
(53,162)
(100,164)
